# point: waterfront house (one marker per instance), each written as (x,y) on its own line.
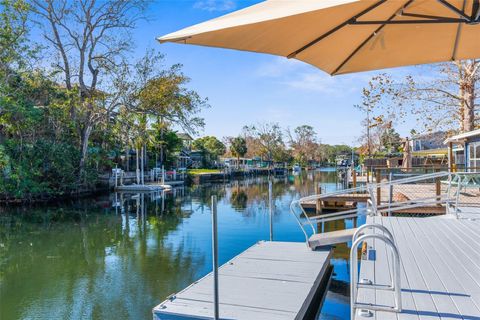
(464,150)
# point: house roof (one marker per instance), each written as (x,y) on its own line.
(184,136)
(463,136)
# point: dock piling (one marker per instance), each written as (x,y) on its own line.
(270,207)
(318,206)
(215,258)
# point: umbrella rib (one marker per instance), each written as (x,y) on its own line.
(435,21)
(476,5)
(457,35)
(368,39)
(343,24)
(454,9)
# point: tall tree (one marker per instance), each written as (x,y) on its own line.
(376,106)
(303,142)
(268,140)
(449,99)
(88,40)
(164,96)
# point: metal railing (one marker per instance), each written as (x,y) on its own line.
(299,212)
(447,195)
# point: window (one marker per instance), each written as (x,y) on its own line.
(474,156)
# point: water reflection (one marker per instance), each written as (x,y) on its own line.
(116,256)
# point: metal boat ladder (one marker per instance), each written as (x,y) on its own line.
(364,309)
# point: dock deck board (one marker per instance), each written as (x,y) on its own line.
(270,280)
(440,268)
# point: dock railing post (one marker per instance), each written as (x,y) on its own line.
(390,193)
(438,189)
(215,258)
(270,207)
(116,176)
(378,178)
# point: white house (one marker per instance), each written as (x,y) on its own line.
(464,150)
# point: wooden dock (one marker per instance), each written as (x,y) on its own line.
(440,268)
(270,280)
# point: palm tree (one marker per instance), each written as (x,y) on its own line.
(238,148)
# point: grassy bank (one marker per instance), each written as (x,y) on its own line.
(203,171)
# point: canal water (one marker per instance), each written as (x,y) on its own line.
(119,255)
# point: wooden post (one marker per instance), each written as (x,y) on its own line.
(318,206)
(378,173)
(438,188)
(354,178)
(451,160)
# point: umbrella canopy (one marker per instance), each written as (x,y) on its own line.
(407,155)
(344,36)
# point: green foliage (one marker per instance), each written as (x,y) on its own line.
(36,170)
(13,30)
(211,147)
(171,144)
(328,153)
(390,140)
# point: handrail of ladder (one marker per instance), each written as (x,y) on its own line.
(395,285)
(359,232)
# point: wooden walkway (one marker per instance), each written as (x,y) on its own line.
(270,280)
(440,268)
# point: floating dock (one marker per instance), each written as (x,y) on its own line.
(439,269)
(268,281)
(139,188)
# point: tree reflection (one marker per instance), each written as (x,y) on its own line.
(83,263)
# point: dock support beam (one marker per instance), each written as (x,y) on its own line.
(215,258)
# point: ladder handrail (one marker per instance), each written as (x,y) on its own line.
(396,282)
(358,233)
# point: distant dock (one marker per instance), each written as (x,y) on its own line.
(268,281)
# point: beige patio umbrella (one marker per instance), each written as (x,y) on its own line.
(407,156)
(343,36)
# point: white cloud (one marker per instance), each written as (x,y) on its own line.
(215,5)
(297,75)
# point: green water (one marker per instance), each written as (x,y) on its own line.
(117,256)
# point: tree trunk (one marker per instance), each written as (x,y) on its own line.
(127,162)
(468,103)
(161,141)
(467,80)
(84,137)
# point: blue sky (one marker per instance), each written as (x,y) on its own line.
(245,88)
